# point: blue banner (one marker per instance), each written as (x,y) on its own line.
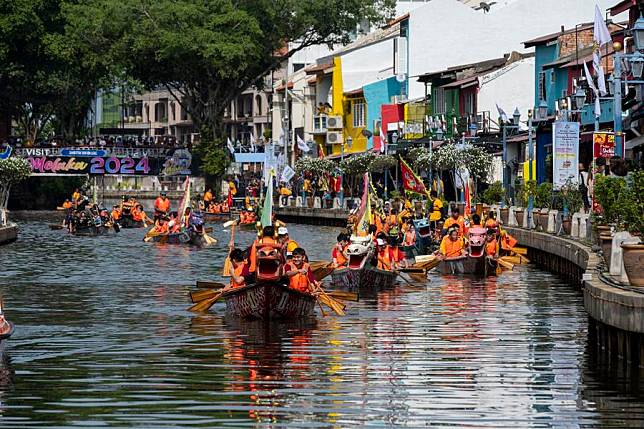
(89,153)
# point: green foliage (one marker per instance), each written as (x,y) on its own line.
(212,158)
(14,170)
(381,163)
(475,159)
(524,190)
(543,197)
(606,191)
(420,158)
(630,203)
(357,164)
(571,196)
(494,193)
(314,166)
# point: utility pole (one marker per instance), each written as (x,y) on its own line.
(617,104)
(285,126)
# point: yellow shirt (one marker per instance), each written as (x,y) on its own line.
(233,188)
(437,205)
(76,196)
(452,249)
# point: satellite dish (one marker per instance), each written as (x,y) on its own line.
(401,77)
(367,133)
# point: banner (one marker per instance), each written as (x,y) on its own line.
(565,152)
(364,213)
(69,165)
(287,174)
(603,145)
(410,181)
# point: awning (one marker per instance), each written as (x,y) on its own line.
(637,141)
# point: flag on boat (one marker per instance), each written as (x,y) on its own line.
(410,181)
(267,208)
(364,214)
(468,205)
(185,200)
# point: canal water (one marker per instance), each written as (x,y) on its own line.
(103,338)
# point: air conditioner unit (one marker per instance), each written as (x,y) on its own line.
(399,99)
(334,122)
(333,137)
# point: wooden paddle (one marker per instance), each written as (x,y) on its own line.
(205,305)
(505,264)
(228,265)
(204,284)
(201,294)
(209,240)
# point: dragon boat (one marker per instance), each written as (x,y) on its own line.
(360,273)
(476,262)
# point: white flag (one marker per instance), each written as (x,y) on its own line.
(502,114)
(252,142)
(281,139)
(600,30)
(287,174)
(591,84)
(383,138)
(231,148)
(301,144)
(601,80)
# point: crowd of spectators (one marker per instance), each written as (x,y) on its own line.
(108,141)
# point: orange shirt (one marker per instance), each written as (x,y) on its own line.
(339,260)
(452,249)
(460,222)
(67,205)
(162,205)
(240,271)
(491,248)
(491,223)
(116,214)
(385,257)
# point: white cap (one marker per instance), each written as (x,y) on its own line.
(282,230)
(380,242)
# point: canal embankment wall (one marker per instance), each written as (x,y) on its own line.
(9,233)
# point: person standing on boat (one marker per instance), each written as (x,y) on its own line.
(161,205)
(491,222)
(384,255)
(207,198)
(455,220)
(452,245)
(398,258)
(267,237)
(288,245)
(339,253)
(410,235)
(299,273)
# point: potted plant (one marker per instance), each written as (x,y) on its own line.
(524,192)
(630,204)
(571,201)
(543,200)
(495,194)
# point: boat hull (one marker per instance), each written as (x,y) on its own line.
(128,222)
(268,301)
(182,237)
(363,278)
(479,266)
(91,231)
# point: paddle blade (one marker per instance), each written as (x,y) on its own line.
(203,284)
(200,295)
(228,267)
(345,296)
(205,304)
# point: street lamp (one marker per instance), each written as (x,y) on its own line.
(580,97)
(530,158)
(516,116)
(543,109)
(638,33)
(637,66)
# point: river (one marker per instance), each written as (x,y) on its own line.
(103,338)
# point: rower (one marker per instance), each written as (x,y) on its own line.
(452,245)
(384,255)
(116,213)
(207,197)
(161,205)
(240,272)
(397,255)
(455,220)
(174,224)
(476,221)
(491,245)
(288,245)
(491,221)
(437,206)
(299,272)
(339,253)
(67,204)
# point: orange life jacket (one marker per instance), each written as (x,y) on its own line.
(237,272)
(384,259)
(410,237)
(67,205)
(116,214)
(161,227)
(339,257)
(491,247)
(162,205)
(299,281)
(207,197)
(397,254)
(137,215)
(491,223)
(253,251)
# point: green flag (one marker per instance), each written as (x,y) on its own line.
(267,209)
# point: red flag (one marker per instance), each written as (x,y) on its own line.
(410,181)
(468,207)
(230,199)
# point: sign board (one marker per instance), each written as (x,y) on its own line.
(87,153)
(69,165)
(603,145)
(178,164)
(565,152)
(287,174)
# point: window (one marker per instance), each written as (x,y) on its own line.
(542,86)
(358,110)
(439,100)
(469,103)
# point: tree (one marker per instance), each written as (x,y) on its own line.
(44,77)
(12,170)
(206,52)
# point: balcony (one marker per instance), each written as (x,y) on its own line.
(588,112)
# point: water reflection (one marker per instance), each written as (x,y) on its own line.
(103,338)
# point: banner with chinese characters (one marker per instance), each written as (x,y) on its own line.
(565,152)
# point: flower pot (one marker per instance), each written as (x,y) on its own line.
(518,215)
(543,220)
(634,263)
(606,243)
(505,215)
(566,224)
